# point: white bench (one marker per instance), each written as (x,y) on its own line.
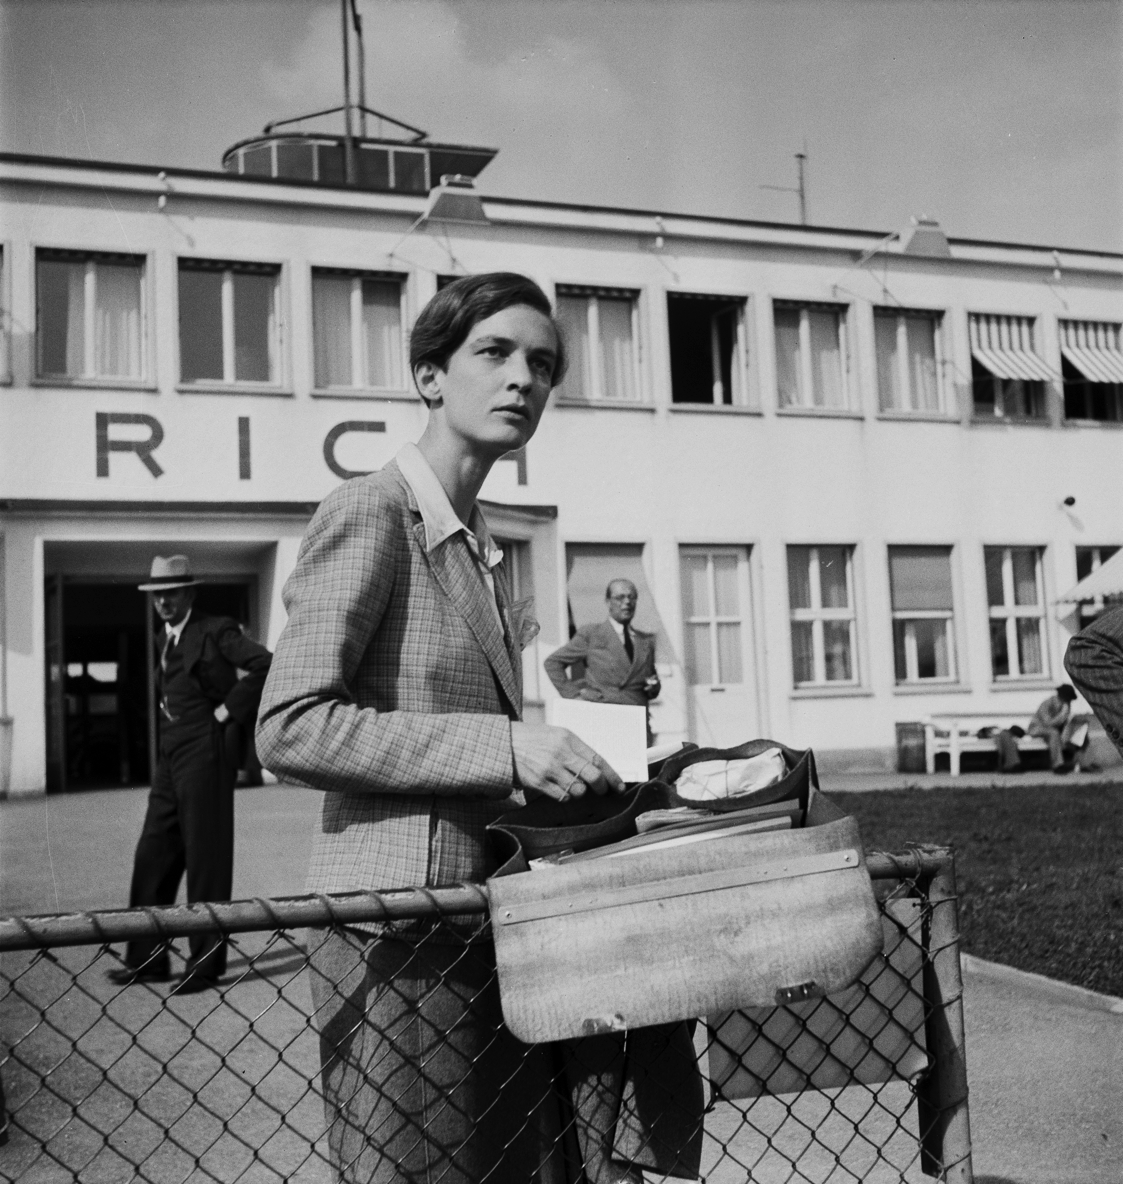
(956,734)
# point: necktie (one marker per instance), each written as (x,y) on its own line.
(169,641)
(629,649)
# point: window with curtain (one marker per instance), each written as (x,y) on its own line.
(228,323)
(811,355)
(908,357)
(713,615)
(600,328)
(923,614)
(1008,378)
(823,621)
(707,341)
(1016,603)
(1092,370)
(357,330)
(1088,560)
(89,315)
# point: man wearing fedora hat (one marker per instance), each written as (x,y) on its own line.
(189,825)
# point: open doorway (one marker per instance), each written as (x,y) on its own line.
(101,725)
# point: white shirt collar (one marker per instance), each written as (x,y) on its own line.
(437,515)
(177,630)
(618,626)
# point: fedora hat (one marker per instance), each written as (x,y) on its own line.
(173,572)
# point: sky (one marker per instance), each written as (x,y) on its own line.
(1003,119)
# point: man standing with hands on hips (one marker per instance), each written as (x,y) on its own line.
(189,825)
(619,660)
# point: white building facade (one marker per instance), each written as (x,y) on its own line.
(850,475)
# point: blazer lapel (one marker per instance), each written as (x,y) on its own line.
(455,571)
(191,641)
(511,642)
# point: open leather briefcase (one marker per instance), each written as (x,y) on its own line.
(750,920)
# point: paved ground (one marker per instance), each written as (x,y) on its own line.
(1045,1060)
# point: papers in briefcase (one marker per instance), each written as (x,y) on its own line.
(616,731)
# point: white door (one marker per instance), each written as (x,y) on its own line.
(717,644)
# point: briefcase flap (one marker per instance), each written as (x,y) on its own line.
(749,920)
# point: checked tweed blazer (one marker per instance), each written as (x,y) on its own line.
(392,689)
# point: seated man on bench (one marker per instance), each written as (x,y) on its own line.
(1053,722)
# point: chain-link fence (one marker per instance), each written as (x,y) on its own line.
(109,1083)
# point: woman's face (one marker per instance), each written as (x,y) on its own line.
(495,388)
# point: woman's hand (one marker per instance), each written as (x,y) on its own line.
(555,762)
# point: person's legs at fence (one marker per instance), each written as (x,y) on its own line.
(419,1076)
(595,1073)
(204,787)
(157,868)
(637,1103)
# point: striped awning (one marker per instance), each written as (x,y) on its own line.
(1004,345)
(1106,580)
(1093,347)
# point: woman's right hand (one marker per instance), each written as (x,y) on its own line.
(557,763)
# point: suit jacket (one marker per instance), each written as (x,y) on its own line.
(214,649)
(1094,661)
(393,688)
(607,669)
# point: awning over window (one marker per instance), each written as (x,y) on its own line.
(1106,580)
(1004,345)
(1093,347)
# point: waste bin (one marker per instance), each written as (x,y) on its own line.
(910,748)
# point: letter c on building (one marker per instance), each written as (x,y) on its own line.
(333,437)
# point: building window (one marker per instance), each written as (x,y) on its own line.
(1017,611)
(1092,370)
(908,359)
(516,561)
(712,609)
(1007,376)
(228,324)
(824,627)
(811,355)
(89,315)
(708,354)
(357,330)
(923,616)
(1088,560)
(600,326)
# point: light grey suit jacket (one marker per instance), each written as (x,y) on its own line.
(392,689)
(608,670)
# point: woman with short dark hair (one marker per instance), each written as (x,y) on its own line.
(396,689)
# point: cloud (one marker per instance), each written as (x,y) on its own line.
(421,58)
(541,96)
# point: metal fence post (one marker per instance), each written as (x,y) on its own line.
(945,1131)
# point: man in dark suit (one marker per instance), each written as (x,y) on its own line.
(618,660)
(189,825)
(1094,661)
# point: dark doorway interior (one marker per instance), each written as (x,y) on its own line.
(101,716)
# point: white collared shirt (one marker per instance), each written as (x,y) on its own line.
(440,520)
(176,631)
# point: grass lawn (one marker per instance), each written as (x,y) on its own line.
(1040,870)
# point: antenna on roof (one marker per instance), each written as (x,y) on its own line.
(801,159)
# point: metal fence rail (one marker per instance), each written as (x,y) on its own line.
(104,1083)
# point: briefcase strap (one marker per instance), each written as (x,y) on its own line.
(712,881)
